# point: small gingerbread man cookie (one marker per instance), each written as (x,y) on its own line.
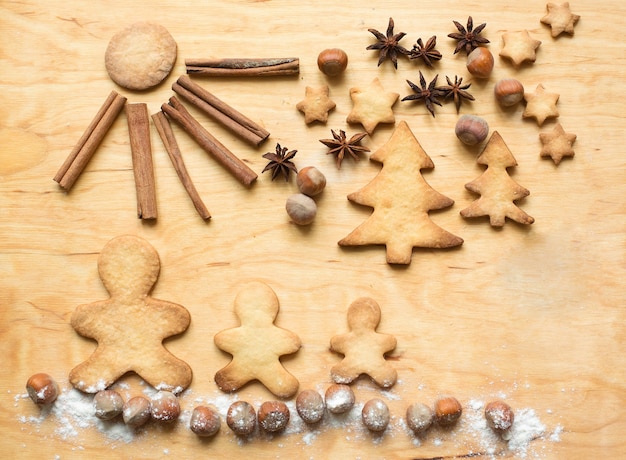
(363,348)
(130,325)
(257,344)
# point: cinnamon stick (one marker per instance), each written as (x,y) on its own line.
(234,67)
(176,111)
(219,110)
(139,131)
(90,140)
(171,146)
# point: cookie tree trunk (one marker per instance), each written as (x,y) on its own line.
(401,199)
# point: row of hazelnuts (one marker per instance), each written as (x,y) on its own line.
(272,416)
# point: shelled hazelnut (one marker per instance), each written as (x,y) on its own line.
(42,389)
(310,406)
(375,415)
(136,411)
(447,410)
(480,62)
(332,61)
(108,404)
(339,398)
(301,209)
(273,416)
(508,92)
(164,406)
(471,129)
(419,417)
(205,421)
(500,417)
(241,418)
(310,181)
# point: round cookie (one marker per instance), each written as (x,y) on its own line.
(140,56)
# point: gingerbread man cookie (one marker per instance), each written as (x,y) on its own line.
(130,325)
(257,344)
(363,348)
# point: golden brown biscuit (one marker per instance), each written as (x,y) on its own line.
(401,199)
(140,56)
(372,105)
(540,105)
(316,104)
(560,19)
(557,144)
(363,348)
(257,344)
(519,47)
(130,325)
(496,188)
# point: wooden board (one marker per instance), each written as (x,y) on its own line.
(530,314)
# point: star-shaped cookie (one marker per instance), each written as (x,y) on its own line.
(519,47)
(363,348)
(372,105)
(557,144)
(560,19)
(540,105)
(316,104)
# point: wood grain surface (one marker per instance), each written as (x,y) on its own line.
(530,314)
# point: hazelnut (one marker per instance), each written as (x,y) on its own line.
(508,92)
(310,406)
(471,129)
(375,415)
(499,417)
(447,411)
(108,404)
(165,406)
(480,62)
(310,181)
(241,418)
(42,389)
(301,208)
(205,421)
(339,398)
(273,416)
(332,61)
(419,417)
(136,411)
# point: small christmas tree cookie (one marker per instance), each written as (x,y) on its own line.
(497,190)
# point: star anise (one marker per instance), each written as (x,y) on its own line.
(388,45)
(280,162)
(340,145)
(468,39)
(427,52)
(429,94)
(457,91)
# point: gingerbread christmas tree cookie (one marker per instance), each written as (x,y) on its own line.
(363,348)
(372,105)
(256,345)
(401,199)
(130,325)
(497,190)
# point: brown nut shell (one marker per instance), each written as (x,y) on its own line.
(310,181)
(499,416)
(136,411)
(273,416)
(164,406)
(480,62)
(375,415)
(508,92)
(447,410)
(419,417)
(42,389)
(108,404)
(332,61)
(205,421)
(301,208)
(339,398)
(471,129)
(241,418)
(310,406)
